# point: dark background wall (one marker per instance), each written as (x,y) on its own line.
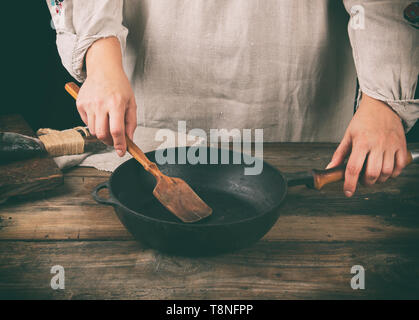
(33,77)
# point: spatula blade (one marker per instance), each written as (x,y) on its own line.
(179,198)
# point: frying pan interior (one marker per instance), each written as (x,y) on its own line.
(244,206)
(232,195)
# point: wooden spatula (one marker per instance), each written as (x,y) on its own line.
(173,193)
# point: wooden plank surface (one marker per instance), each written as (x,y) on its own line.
(307,254)
(126,270)
(26,176)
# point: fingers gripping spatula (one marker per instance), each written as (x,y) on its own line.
(173,193)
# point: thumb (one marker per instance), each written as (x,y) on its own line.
(341,152)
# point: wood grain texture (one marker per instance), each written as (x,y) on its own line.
(127,270)
(308,254)
(27,176)
(69,213)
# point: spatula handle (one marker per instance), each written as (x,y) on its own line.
(323,177)
(73,89)
(132,148)
(139,155)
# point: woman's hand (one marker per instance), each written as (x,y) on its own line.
(106,102)
(376,143)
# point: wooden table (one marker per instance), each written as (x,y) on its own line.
(307,254)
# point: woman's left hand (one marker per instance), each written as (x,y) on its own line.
(376,142)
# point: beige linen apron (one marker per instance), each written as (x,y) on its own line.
(283,66)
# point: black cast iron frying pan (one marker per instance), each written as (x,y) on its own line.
(245,207)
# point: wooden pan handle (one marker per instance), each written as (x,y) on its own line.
(73,89)
(323,177)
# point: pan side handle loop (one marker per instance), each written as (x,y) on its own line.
(108,201)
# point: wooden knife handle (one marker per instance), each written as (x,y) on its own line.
(323,177)
(132,148)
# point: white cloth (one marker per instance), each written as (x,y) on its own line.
(282,66)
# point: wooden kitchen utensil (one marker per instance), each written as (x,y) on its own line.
(173,193)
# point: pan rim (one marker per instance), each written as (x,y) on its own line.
(196,225)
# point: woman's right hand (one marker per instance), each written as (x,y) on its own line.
(106,102)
